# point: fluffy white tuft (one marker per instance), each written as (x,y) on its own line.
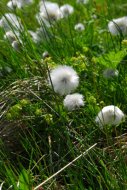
(14,3)
(45,54)
(66,10)
(64,79)
(10,20)
(79,27)
(49,12)
(73,101)
(83,1)
(40,34)
(118,25)
(109,115)
(34,36)
(16,45)
(10,36)
(18,3)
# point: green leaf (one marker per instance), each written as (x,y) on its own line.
(112,59)
(24,180)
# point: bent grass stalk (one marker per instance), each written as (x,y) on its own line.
(62,169)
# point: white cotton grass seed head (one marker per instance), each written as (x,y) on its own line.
(40,34)
(79,27)
(109,115)
(16,45)
(34,36)
(45,54)
(73,101)
(64,79)
(109,73)
(9,21)
(49,13)
(43,34)
(48,5)
(116,26)
(10,36)
(12,4)
(66,10)
(82,1)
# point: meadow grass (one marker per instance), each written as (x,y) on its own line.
(38,135)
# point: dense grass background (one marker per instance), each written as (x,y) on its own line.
(38,135)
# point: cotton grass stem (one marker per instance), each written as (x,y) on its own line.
(66,166)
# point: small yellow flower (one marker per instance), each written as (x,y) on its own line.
(91,100)
(48,118)
(94,60)
(85,49)
(124,42)
(102,103)
(48,59)
(14,112)
(73,58)
(9,116)
(38,112)
(24,102)
(16,108)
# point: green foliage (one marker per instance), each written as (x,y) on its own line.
(112,59)
(38,136)
(24,180)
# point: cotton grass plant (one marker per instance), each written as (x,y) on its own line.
(63,79)
(42,133)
